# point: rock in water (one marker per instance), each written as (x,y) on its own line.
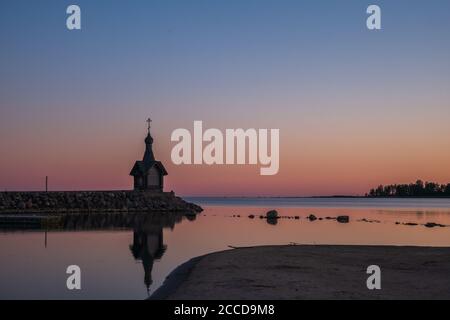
(432,225)
(272,214)
(312,217)
(343,219)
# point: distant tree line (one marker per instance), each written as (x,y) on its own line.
(418,189)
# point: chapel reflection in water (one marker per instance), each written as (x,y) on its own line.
(148,241)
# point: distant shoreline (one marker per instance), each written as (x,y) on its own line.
(311,272)
(314,197)
(240,197)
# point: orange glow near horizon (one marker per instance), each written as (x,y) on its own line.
(322,163)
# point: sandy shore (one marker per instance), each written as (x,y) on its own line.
(312,272)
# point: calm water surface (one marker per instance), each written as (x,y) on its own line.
(128,256)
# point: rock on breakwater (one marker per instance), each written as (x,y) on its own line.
(93,201)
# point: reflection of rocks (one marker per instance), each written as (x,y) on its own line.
(93,201)
(428,224)
(272,218)
(144,221)
(91,221)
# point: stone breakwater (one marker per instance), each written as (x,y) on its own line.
(93,201)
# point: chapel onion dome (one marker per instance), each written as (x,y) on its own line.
(149,139)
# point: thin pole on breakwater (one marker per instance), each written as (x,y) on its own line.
(46,183)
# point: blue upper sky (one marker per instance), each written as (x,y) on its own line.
(137,52)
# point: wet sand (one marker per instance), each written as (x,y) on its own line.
(311,272)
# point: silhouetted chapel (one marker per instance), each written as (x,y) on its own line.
(148,174)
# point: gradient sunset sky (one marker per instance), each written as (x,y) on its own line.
(355,108)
